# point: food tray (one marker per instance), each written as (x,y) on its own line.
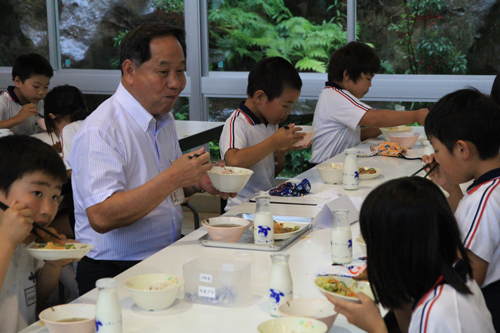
(246,241)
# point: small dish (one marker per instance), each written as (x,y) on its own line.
(78,252)
(353,285)
(367,176)
(286,235)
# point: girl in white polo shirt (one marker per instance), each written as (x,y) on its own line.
(416,257)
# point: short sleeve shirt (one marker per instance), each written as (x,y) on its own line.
(336,119)
(18,296)
(478,216)
(244,129)
(10,107)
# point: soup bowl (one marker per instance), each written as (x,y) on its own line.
(225,228)
(74,318)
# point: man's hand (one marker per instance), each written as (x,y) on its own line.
(16,224)
(189,168)
(206,184)
(27,111)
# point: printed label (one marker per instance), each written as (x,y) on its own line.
(206,291)
(206,278)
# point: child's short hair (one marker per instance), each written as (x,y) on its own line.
(355,58)
(273,75)
(495,89)
(412,239)
(21,155)
(63,101)
(466,115)
(135,46)
(28,65)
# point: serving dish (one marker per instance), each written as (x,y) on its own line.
(370,175)
(78,252)
(353,285)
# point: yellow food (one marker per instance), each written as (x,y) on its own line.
(54,246)
(367,171)
(331,284)
(279,228)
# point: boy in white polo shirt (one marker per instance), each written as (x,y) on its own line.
(463,130)
(339,112)
(251,138)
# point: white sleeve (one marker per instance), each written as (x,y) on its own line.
(234,134)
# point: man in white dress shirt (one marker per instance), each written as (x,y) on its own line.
(129,174)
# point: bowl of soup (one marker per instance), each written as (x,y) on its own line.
(309,131)
(74,318)
(225,228)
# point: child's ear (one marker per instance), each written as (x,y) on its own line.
(17,81)
(346,75)
(464,149)
(51,115)
(259,96)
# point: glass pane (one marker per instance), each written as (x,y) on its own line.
(180,111)
(241,32)
(23,29)
(302,114)
(432,36)
(90,31)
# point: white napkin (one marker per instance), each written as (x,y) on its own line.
(324,219)
(328,195)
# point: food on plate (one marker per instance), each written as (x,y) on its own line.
(331,284)
(229,171)
(71,320)
(367,171)
(54,246)
(279,228)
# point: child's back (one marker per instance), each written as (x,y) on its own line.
(339,112)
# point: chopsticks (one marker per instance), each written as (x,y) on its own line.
(424,167)
(36,225)
(40,115)
(409,158)
(194,155)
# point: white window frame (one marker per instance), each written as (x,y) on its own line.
(202,84)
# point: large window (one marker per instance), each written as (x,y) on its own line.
(23,29)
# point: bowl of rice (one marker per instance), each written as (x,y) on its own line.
(229,179)
(154,292)
(331,173)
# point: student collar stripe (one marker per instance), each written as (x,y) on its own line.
(12,94)
(340,90)
(479,213)
(231,128)
(251,117)
(490,175)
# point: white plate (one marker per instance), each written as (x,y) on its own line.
(288,234)
(355,286)
(370,175)
(44,254)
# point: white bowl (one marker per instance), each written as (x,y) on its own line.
(317,308)
(406,139)
(225,234)
(393,130)
(292,324)
(362,244)
(355,286)
(85,312)
(154,291)
(309,130)
(231,183)
(331,173)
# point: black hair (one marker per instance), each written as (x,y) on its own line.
(135,46)
(495,89)
(412,239)
(28,65)
(273,75)
(466,115)
(22,155)
(63,101)
(355,58)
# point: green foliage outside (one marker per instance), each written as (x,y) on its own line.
(419,40)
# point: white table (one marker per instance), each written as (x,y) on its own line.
(307,256)
(196,133)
